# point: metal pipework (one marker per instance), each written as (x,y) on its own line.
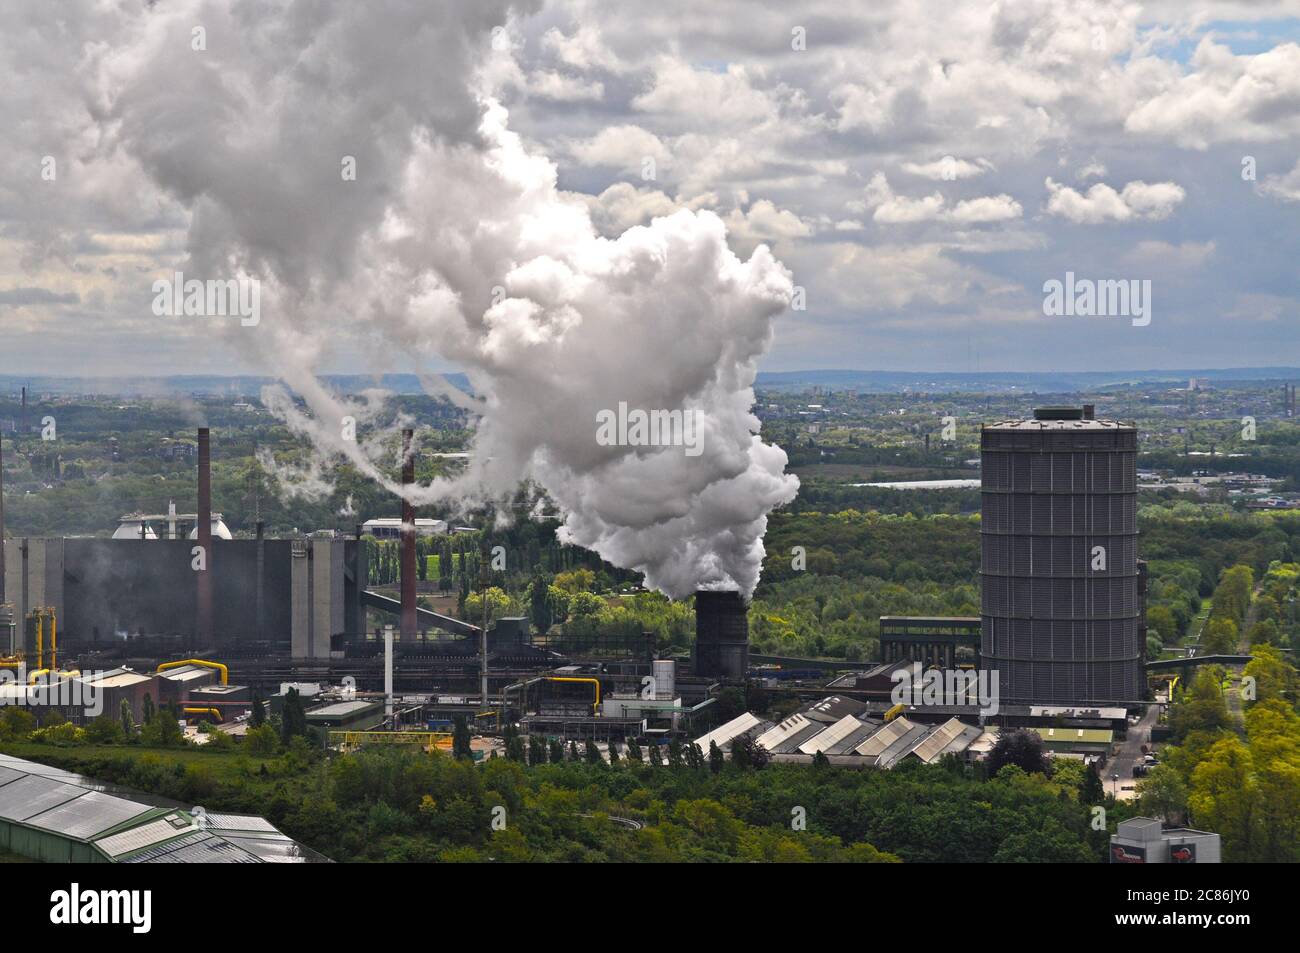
(221,669)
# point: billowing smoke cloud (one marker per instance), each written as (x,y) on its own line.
(454,242)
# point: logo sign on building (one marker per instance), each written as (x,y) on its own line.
(1182,853)
(1123,854)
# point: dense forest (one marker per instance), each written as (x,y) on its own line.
(393,805)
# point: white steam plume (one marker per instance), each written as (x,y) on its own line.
(454,242)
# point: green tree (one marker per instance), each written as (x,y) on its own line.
(257,711)
(293,717)
(1163,793)
(1220,636)
(1021,747)
(262,741)
(541,609)
(104,730)
(536,750)
(460,739)
(716,757)
(127,719)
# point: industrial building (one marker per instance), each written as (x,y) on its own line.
(1062,613)
(295,596)
(1144,840)
(56,816)
(834,728)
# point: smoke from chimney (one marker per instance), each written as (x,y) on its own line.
(471,255)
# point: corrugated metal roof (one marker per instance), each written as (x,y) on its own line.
(886,736)
(836,732)
(849,743)
(725,734)
(792,742)
(896,751)
(238,822)
(91,814)
(200,847)
(774,736)
(31,795)
(146,835)
(276,849)
(933,744)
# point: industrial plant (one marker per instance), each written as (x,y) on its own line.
(174,609)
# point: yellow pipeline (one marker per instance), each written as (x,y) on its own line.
(54,642)
(593,681)
(225,672)
(216,715)
(33,676)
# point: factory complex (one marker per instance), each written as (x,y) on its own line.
(174,611)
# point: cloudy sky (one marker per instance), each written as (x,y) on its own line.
(920,168)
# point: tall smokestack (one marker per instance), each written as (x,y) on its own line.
(408,540)
(203,627)
(721,634)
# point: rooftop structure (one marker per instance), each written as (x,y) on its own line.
(1144,840)
(390,527)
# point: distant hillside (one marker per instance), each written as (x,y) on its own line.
(1048,382)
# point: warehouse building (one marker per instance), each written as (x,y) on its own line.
(56,816)
(724,735)
(347,716)
(836,729)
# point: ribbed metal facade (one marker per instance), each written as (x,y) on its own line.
(721,634)
(1056,628)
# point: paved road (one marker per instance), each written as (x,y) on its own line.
(1130,753)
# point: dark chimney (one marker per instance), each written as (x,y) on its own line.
(408,539)
(261,577)
(22,418)
(203,627)
(721,634)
